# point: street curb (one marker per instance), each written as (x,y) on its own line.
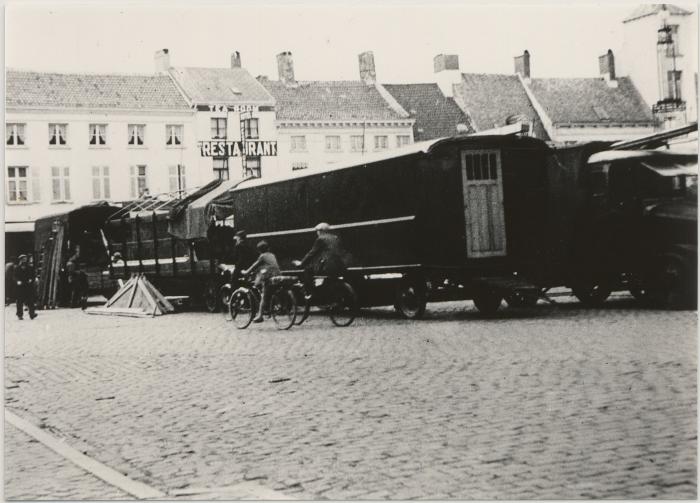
(99,470)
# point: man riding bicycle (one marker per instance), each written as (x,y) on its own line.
(325,258)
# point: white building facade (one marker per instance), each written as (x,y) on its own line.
(660,54)
(72,139)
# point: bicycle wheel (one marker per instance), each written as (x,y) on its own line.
(283,309)
(241,307)
(303,306)
(342,307)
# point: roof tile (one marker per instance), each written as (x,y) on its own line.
(68,90)
(222,86)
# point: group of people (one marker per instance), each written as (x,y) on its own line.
(20,286)
(325,258)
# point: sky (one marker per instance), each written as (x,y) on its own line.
(564,38)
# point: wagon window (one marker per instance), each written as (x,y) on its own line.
(481,166)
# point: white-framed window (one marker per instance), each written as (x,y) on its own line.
(357,143)
(297,143)
(98,134)
(14,134)
(333,143)
(218,128)
(299,165)
(139,185)
(173,134)
(220,165)
(249,128)
(251,167)
(136,134)
(60,184)
(58,134)
(673,84)
(403,139)
(381,142)
(100,183)
(17,184)
(176,177)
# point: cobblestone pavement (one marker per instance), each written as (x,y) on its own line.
(556,402)
(33,471)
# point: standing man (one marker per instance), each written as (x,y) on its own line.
(24,287)
(10,267)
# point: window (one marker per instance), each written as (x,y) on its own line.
(221,168)
(673,91)
(138,181)
(176,175)
(98,134)
(298,143)
(100,182)
(173,134)
(136,134)
(332,143)
(218,129)
(17,184)
(249,128)
(403,139)
(381,142)
(299,165)
(57,134)
(251,167)
(482,166)
(357,143)
(15,134)
(60,184)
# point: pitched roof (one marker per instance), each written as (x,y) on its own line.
(490,99)
(652,9)
(591,100)
(436,116)
(222,86)
(330,100)
(72,90)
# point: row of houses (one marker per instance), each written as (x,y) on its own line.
(76,138)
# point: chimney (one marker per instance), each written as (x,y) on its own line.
(235,59)
(522,65)
(367,72)
(162,61)
(285,67)
(606,63)
(447,74)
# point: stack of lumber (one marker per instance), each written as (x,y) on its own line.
(137,297)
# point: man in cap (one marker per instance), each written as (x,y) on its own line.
(24,287)
(325,258)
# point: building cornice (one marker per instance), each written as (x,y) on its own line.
(85,110)
(343,124)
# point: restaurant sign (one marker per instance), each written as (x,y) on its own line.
(219,148)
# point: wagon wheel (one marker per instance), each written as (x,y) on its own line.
(411,299)
(592,293)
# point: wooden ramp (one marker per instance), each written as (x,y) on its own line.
(137,297)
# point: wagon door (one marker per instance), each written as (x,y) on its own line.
(482,190)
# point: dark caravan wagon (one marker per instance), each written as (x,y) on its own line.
(454,218)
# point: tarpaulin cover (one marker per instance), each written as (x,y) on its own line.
(193,221)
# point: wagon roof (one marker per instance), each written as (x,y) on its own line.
(418,148)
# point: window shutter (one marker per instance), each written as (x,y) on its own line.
(66,184)
(132,170)
(106,194)
(36,187)
(182,173)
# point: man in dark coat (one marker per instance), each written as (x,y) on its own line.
(10,267)
(24,287)
(325,258)
(243,256)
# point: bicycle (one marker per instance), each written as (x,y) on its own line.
(244,302)
(331,294)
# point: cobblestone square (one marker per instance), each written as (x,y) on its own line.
(555,402)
